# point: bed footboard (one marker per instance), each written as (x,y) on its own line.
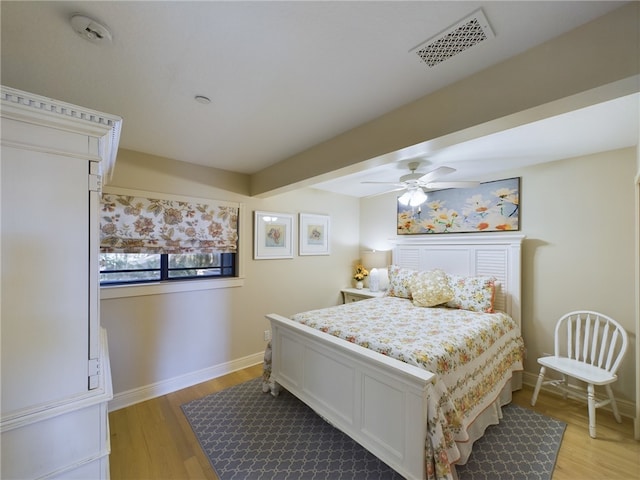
(378,401)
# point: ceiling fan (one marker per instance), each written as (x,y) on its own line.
(415,183)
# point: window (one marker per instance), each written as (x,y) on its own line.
(124,268)
(163,239)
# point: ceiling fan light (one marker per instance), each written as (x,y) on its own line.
(418,197)
(404,198)
(413,197)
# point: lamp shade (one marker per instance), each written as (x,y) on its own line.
(375,259)
(377,262)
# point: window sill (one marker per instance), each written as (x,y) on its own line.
(121,291)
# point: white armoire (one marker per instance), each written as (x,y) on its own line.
(55,377)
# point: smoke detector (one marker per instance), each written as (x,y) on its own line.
(90,29)
(459,37)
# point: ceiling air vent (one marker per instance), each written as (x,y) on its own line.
(459,37)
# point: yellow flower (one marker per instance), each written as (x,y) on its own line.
(360,273)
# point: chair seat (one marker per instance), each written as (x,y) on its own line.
(580,370)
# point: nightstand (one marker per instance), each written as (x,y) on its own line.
(354,294)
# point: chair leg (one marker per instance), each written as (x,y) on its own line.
(592,410)
(534,398)
(565,383)
(614,405)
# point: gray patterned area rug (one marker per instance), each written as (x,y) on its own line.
(250,435)
(524,446)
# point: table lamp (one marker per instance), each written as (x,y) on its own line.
(376,261)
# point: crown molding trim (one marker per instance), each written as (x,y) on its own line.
(36,109)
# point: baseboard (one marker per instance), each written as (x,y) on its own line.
(137,395)
(625,407)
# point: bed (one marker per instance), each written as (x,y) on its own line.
(414,385)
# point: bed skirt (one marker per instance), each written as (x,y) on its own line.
(491,416)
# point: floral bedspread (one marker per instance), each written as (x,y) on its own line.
(473,354)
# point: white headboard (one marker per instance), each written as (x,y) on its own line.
(496,255)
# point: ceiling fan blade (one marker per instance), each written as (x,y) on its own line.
(437,185)
(398,184)
(385,192)
(437,173)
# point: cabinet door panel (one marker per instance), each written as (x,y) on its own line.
(44,258)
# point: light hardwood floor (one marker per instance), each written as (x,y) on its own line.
(153,440)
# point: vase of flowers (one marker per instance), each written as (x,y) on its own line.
(359,275)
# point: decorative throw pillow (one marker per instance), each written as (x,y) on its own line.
(430,288)
(399,280)
(472,293)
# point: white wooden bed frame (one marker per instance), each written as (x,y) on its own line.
(378,401)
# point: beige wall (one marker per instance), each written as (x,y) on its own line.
(578,216)
(155,338)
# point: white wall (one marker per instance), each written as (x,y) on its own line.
(578,216)
(158,341)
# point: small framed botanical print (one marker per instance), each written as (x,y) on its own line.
(273,235)
(314,234)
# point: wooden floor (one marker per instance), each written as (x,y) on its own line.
(153,440)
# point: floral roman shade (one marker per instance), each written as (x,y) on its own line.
(130,224)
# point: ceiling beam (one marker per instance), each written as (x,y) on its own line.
(603,52)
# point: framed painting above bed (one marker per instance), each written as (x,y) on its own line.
(489,207)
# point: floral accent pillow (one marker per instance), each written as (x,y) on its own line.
(475,294)
(431,288)
(399,282)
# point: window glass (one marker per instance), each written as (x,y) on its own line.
(129,267)
(123,268)
(186,265)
